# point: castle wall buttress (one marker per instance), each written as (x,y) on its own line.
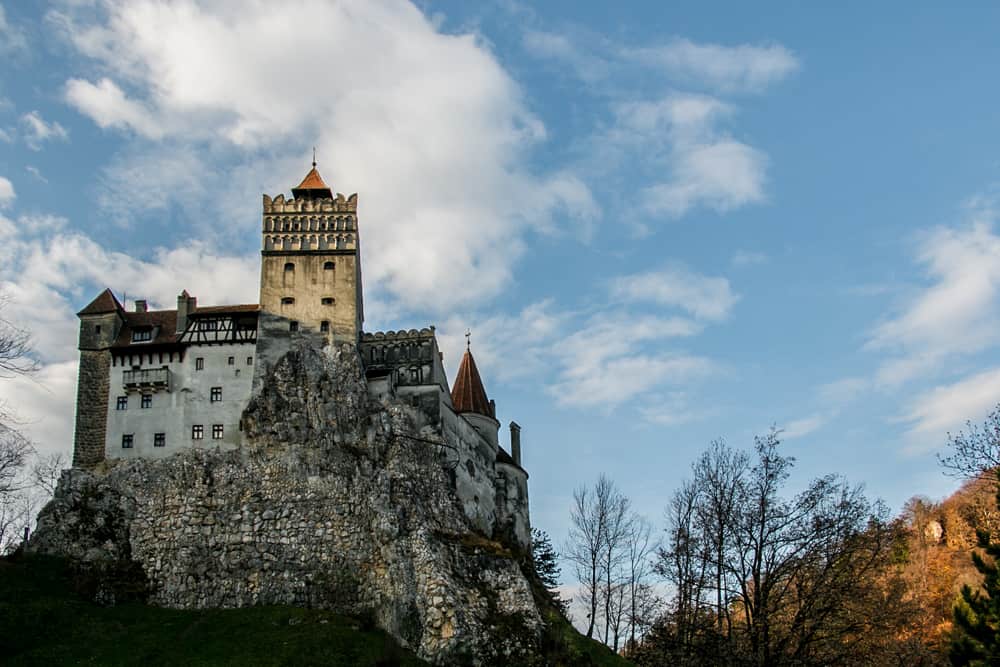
(92,389)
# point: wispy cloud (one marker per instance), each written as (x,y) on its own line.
(12,38)
(705,297)
(34,171)
(933,413)
(37,131)
(741,68)
(7,194)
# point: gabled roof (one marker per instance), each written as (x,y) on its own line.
(106,302)
(468,394)
(312,186)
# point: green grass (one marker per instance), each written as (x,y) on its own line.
(43,622)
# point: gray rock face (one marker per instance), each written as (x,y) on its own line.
(334,501)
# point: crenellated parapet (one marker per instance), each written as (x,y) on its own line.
(339,204)
(411,355)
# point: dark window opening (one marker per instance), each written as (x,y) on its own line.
(287,300)
(197,432)
(329,266)
(293,326)
(122,403)
(216,431)
(289,267)
(199,364)
(146,401)
(232,361)
(249,361)
(216,394)
(327,301)
(324,327)
(97,329)
(159,440)
(127,441)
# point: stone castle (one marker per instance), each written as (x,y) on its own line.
(155,382)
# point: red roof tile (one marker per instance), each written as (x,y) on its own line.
(468,394)
(312,185)
(104,303)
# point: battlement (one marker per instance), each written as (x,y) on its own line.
(340,204)
(401,335)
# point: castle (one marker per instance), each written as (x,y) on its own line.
(154,382)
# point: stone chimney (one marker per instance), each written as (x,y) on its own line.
(515,442)
(186,304)
(140,306)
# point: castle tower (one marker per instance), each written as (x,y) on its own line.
(100,323)
(468,398)
(310,273)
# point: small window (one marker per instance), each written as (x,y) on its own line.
(127,441)
(159,440)
(216,431)
(289,266)
(197,432)
(97,329)
(122,403)
(287,300)
(216,394)
(249,361)
(324,327)
(232,361)
(329,266)
(293,326)
(142,335)
(146,401)
(327,301)
(199,364)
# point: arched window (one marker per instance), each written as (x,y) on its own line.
(287,300)
(327,301)
(288,276)
(329,266)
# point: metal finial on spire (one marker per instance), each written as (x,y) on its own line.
(468,339)
(314,157)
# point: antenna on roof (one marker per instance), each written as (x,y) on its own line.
(314,157)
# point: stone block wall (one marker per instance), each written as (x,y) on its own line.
(92,390)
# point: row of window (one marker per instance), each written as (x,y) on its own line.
(289,300)
(324,326)
(327,266)
(146,400)
(160,439)
(199,362)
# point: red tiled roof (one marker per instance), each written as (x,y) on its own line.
(312,185)
(468,394)
(104,303)
(217,310)
(166,320)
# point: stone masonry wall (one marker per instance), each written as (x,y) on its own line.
(91,408)
(334,501)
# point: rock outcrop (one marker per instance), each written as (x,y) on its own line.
(334,501)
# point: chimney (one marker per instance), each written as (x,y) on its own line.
(515,442)
(140,306)
(185,305)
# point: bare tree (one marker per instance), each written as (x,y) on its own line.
(639,549)
(583,550)
(16,352)
(975,452)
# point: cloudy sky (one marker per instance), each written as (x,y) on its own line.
(663,226)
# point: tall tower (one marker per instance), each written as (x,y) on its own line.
(310,273)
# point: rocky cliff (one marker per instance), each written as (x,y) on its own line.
(334,501)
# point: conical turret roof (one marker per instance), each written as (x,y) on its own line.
(468,394)
(312,186)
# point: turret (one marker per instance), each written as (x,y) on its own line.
(468,398)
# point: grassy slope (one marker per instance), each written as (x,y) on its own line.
(42,621)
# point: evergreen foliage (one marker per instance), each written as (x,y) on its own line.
(977,614)
(545,560)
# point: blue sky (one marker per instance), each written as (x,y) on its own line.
(663,224)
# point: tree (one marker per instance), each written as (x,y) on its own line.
(976,451)
(545,560)
(977,615)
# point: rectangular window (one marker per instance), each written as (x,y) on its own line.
(199,364)
(159,440)
(141,335)
(324,327)
(249,361)
(232,361)
(122,403)
(293,326)
(197,432)
(216,394)
(146,401)
(216,431)
(127,441)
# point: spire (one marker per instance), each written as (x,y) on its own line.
(104,303)
(312,186)
(468,394)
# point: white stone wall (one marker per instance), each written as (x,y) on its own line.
(188,401)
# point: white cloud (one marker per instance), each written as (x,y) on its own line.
(427,127)
(7,193)
(935,412)
(12,38)
(743,258)
(705,297)
(742,68)
(37,131)
(586,65)
(798,428)
(956,315)
(36,172)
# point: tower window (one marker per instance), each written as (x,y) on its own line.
(146,401)
(216,431)
(329,266)
(197,432)
(287,300)
(159,440)
(327,301)
(289,266)
(249,361)
(324,326)
(232,361)
(216,394)
(293,326)
(97,329)
(127,441)
(122,403)
(199,364)
(288,276)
